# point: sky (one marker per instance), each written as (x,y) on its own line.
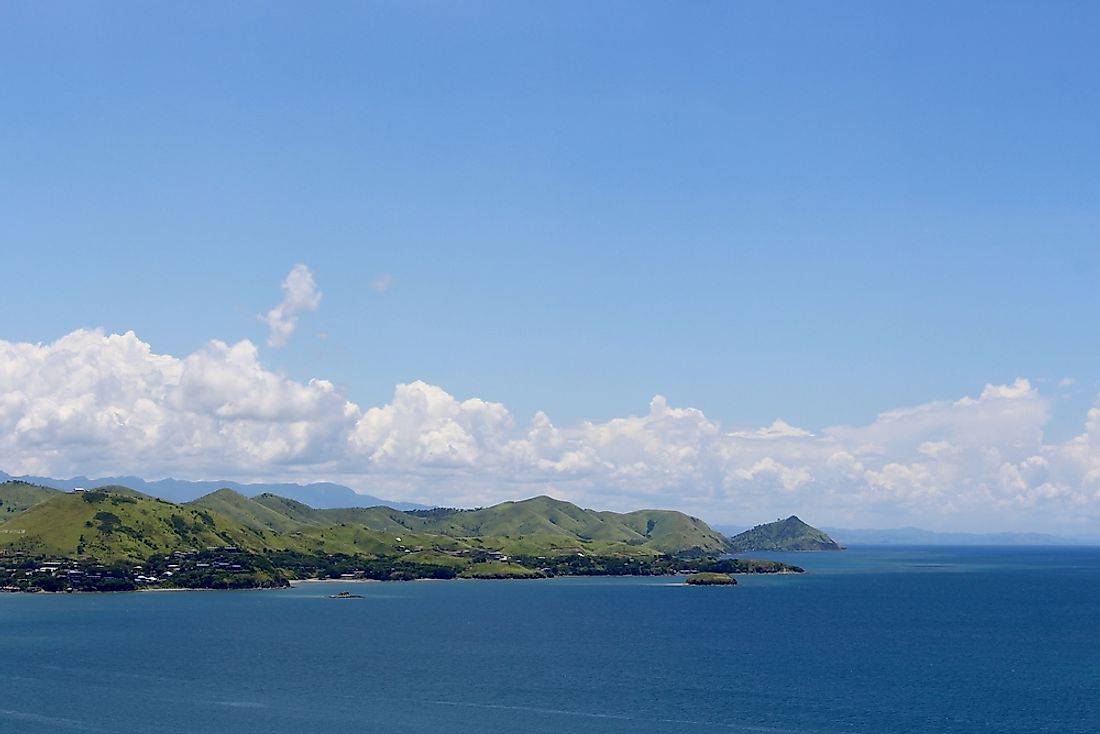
(739,259)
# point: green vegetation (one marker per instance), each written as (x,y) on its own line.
(17,496)
(565,525)
(108,526)
(248,513)
(711,579)
(782,535)
(500,570)
(112,538)
(745,565)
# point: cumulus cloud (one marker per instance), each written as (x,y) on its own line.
(97,403)
(299,294)
(424,427)
(106,403)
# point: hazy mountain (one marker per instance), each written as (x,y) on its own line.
(917,536)
(317,494)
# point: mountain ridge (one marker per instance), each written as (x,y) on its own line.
(318,494)
(117,522)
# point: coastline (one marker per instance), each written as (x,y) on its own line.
(295,583)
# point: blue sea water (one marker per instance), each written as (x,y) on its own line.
(869,641)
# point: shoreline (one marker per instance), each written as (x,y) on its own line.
(295,583)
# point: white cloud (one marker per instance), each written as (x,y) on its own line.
(426,428)
(97,403)
(789,478)
(299,294)
(778,429)
(94,402)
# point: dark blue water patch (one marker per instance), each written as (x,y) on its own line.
(869,641)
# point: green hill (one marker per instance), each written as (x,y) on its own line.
(383,519)
(782,535)
(297,511)
(563,524)
(529,526)
(119,490)
(17,496)
(674,532)
(116,523)
(113,538)
(249,513)
(111,525)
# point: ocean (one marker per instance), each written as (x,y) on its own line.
(868,641)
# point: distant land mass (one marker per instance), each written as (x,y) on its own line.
(917,536)
(118,538)
(316,494)
(116,523)
(783,535)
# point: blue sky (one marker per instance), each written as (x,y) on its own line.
(815,212)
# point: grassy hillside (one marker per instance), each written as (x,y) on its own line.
(247,512)
(297,511)
(563,525)
(383,519)
(541,524)
(227,540)
(359,540)
(783,535)
(112,525)
(536,516)
(674,532)
(17,496)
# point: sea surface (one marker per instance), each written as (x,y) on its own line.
(869,641)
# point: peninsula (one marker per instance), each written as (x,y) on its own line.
(115,538)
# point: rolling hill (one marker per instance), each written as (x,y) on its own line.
(117,523)
(661,531)
(111,523)
(18,496)
(783,535)
(516,527)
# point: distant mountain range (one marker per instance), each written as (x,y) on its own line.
(917,536)
(322,495)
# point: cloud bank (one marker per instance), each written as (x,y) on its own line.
(96,403)
(299,294)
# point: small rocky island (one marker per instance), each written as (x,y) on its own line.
(711,579)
